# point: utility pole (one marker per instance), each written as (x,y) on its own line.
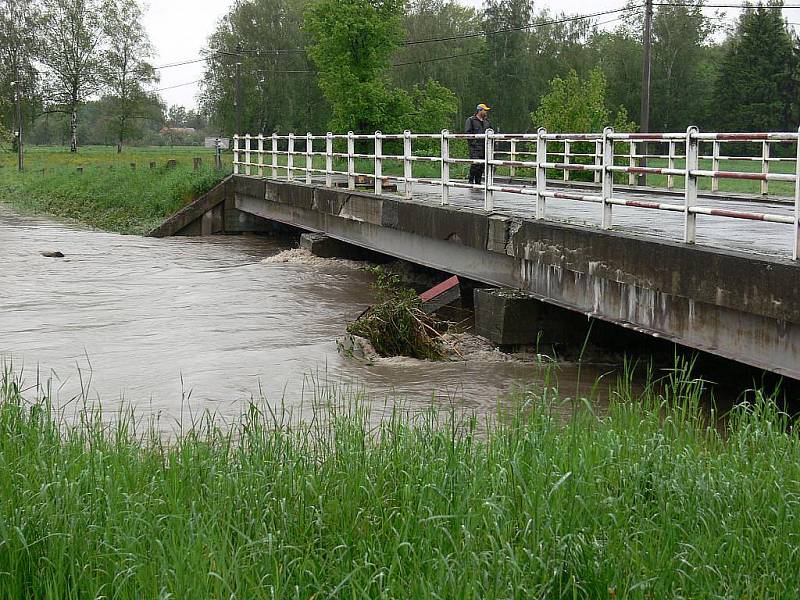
(18,117)
(647,45)
(237,102)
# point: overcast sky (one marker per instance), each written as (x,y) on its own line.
(179,30)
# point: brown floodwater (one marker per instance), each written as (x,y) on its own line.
(178,326)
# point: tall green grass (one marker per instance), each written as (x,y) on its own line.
(121,200)
(648,501)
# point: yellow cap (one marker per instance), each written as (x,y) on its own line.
(482,106)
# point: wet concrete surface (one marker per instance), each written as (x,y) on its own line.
(775,239)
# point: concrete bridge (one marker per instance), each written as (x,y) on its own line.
(735,304)
(715,272)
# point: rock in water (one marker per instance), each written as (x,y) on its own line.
(52,254)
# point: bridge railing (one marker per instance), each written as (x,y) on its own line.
(640,152)
(333,156)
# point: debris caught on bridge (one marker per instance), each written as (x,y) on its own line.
(397,325)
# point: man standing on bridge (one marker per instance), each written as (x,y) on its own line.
(477,124)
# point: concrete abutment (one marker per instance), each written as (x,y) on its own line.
(509,317)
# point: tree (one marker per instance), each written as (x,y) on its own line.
(579,106)
(125,69)
(417,63)
(279,88)
(620,57)
(177,116)
(71,38)
(757,87)
(508,64)
(18,51)
(353,41)
(681,87)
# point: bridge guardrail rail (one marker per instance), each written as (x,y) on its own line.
(534,151)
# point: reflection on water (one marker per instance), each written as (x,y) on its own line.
(157,321)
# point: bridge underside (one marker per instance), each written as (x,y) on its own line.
(737,305)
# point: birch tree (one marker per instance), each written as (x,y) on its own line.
(71,38)
(125,68)
(18,49)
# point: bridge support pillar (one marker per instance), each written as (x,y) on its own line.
(323,246)
(509,317)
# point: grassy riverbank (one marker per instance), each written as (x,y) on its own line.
(646,502)
(108,194)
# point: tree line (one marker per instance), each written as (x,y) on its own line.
(82,68)
(424,64)
(64,57)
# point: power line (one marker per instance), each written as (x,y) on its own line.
(739,6)
(259,51)
(172,87)
(474,34)
(438,58)
(559,21)
(282,71)
(184,62)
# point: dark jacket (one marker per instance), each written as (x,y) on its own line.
(477,148)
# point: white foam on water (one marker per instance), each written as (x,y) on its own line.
(301,256)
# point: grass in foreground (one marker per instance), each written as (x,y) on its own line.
(646,502)
(108,194)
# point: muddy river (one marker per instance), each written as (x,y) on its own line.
(182,325)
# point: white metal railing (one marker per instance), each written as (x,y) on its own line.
(534,151)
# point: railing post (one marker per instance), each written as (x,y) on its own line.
(608,178)
(407,170)
(541,171)
(445,155)
(274,154)
(290,158)
(632,163)
(715,151)
(598,160)
(488,180)
(671,165)
(351,166)
(567,147)
(260,155)
(796,250)
(513,169)
(247,154)
(765,167)
(378,163)
(329,159)
(690,199)
(235,153)
(309,156)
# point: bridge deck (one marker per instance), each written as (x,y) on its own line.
(762,237)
